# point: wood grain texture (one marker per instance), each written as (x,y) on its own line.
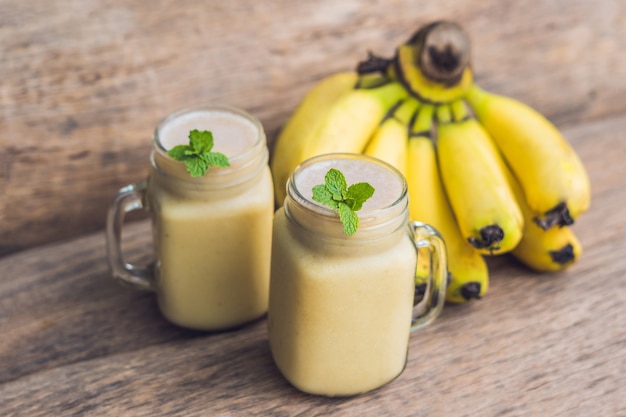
(76,344)
(84,82)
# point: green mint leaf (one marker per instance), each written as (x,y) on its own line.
(358,194)
(178,152)
(197,155)
(349,219)
(336,184)
(335,194)
(201,141)
(322,195)
(216,159)
(196,166)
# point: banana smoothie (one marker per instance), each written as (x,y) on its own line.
(212,234)
(341,306)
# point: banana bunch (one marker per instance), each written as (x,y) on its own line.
(491,174)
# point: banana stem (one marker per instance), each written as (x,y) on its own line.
(404,113)
(444,51)
(373,64)
(423,123)
(476,96)
(459,110)
(444,114)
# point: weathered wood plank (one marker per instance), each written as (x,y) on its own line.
(553,344)
(74,343)
(83,83)
(58,305)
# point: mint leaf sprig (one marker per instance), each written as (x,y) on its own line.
(336,194)
(197,156)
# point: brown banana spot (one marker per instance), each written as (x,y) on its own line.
(420,291)
(564,255)
(557,216)
(471,290)
(490,236)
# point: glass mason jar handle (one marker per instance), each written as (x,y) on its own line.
(425,236)
(128,198)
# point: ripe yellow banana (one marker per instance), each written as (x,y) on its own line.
(345,126)
(543,250)
(472,172)
(548,250)
(389,142)
(351,120)
(434,64)
(469,277)
(553,178)
(309,113)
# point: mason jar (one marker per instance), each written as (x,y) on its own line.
(342,307)
(211,234)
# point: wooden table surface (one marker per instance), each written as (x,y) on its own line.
(82,83)
(76,343)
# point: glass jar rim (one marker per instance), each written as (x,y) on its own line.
(373,223)
(259,140)
(243,166)
(325,210)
